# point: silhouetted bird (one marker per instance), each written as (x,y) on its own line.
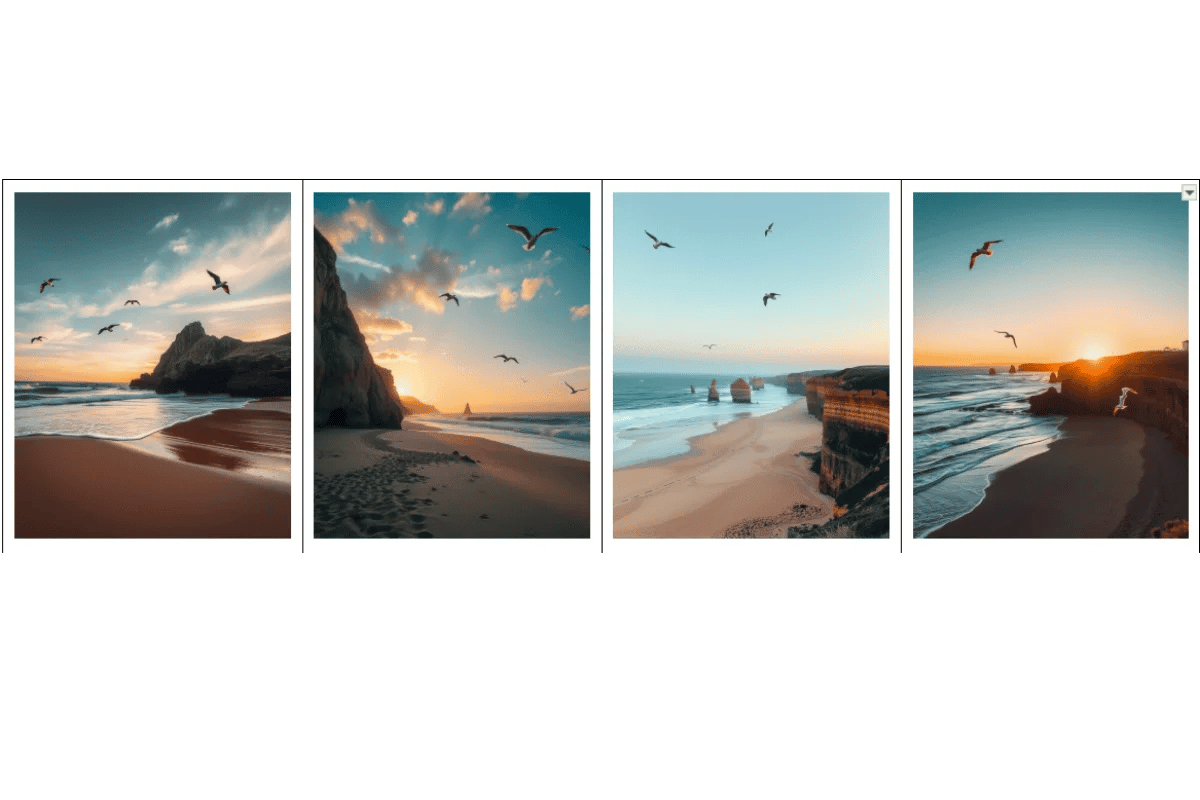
(657,243)
(573,389)
(709,346)
(768,230)
(37,339)
(1009,335)
(530,239)
(585,247)
(1125,392)
(107,328)
(48,282)
(132,303)
(986,250)
(506,358)
(218,283)
(450,297)
(770,296)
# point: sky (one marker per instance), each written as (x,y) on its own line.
(397,252)
(826,257)
(153,248)
(1077,276)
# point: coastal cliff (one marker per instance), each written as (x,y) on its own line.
(854,433)
(1160,380)
(350,389)
(198,363)
(854,378)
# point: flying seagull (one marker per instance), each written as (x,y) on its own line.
(37,339)
(107,328)
(709,346)
(768,230)
(450,297)
(1125,392)
(217,282)
(573,389)
(770,296)
(657,243)
(48,282)
(506,358)
(1008,335)
(132,303)
(986,250)
(585,247)
(530,240)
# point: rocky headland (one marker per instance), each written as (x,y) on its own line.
(351,390)
(1160,380)
(198,363)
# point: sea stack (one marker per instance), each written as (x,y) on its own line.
(712,392)
(992,371)
(740,391)
(757,383)
(1012,369)
(197,363)
(467,410)
(693,390)
(1053,377)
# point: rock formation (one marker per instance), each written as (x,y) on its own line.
(1012,369)
(854,378)
(467,410)
(854,434)
(1053,377)
(739,391)
(693,390)
(1055,367)
(350,389)
(795,383)
(756,383)
(992,371)
(712,392)
(412,405)
(1094,387)
(197,363)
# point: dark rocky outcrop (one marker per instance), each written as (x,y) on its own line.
(739,391)
(854,434)
(467,410)
(712,392)
(1094,387)
(795,383)
(1012,369)
(757,383)
(992,371)
(1054,377)
(414,406)
(1039,367)
(197,363)
(346,378)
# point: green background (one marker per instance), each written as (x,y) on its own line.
(588,675)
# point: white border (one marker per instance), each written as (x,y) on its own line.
(695,546)
(450,547)
(126,547)
(1046,547)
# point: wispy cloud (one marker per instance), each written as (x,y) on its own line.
(236,305)
(341,229)
(180,245)
(395,355)
(476,228)
(579,312)
(165,222)
(436,207)
(366,262)
(472,204)
(410,218)
(381,327)
(494,271)
(435,272)
(508,298)
(584,368)
(416,338)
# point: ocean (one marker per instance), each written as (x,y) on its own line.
(105,410)
(562,433)
(654,415)
(967,426)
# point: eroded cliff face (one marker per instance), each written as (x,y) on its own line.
(854,437)
(739,391)
(795,383)
(350,389)
(1160,380)
(197,363)
(814,393)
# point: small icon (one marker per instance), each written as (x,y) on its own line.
(1189,191)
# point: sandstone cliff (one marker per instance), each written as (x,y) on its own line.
(350,389)
(467,410)
(854,378)
(739,391)
(712,391)
(1094,387)
(854,434)
(757,383)
(197,363)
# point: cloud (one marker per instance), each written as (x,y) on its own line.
(546,256)
(235,305)
(229,202)
(472,204)
(341,229)
(435,272)
(410,218)
(180,245)
(366,262)
(579,312)
(165,222)
(508,298)
(493,271)
(476,228)
(584,368)
(436,206)
(530,286)
(395,355)
(416,338)
(522,195)
(381,327)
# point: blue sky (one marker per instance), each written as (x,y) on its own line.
(153,248)
(826,256)
(1077,275)
(398,251)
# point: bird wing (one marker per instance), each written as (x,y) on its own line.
(500,356)
(989,244)
(544,231)
(225,286)
(765,297)
(569,386)
(768,230)
(651,235)
(515,360)
(216,278)
(454,297)
(521,229)
(1014,339)
(974,256)
(664,244)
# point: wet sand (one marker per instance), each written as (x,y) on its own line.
(424,484)
(196,480)
(742,480)
(1107,477)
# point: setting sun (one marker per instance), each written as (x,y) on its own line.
(1093,353)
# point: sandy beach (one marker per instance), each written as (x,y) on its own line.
(420,483)
(1106,477)
(742,480)
(224,475)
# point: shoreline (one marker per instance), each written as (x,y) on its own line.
(742,480)
(215,476)
(422,483)
(1102,478)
